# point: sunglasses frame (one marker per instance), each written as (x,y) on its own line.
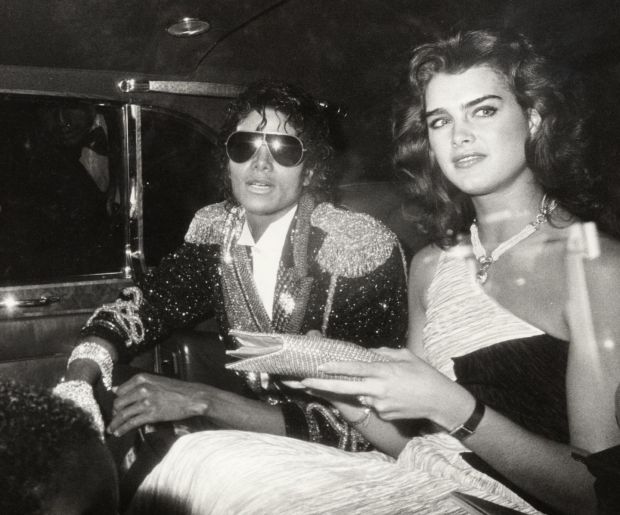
(264,142)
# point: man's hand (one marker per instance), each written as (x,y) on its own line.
(147,399)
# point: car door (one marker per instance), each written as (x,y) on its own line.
(78,223)
(63,224)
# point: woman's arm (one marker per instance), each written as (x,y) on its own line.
(389,437)
(593,372)
(421,273)
(409,388)
(541,467)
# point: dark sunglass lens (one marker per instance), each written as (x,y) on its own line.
(286,150)
(241,146)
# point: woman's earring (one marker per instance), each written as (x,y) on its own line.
(534,120)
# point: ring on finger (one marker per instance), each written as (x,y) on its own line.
(363,400)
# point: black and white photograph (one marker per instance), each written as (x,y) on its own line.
(309,257)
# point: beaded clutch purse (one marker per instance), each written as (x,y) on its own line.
(293,355)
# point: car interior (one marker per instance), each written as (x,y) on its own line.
(154,77)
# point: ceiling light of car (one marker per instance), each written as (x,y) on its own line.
(188,27)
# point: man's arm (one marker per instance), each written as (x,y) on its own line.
(178,294)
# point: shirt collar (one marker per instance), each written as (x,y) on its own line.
(274,235)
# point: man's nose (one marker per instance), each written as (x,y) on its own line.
(262,158)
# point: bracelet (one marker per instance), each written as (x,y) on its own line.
(100,355)
(125,315)
(469,427)
(81,394)
(363,420)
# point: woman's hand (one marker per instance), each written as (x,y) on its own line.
(147,399)
(406,387)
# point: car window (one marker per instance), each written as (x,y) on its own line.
(60,163)
(179,176)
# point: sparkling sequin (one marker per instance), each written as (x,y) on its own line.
(287,302)
(344,273)
(297,355)
(209,225)
(356,243)
(348,437)
(125,313)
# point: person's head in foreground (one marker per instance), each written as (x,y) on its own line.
(275,147)
(52,461)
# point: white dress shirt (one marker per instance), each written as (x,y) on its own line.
(266,254)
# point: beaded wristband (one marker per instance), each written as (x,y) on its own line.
(98,354)
(363,420)
(81,394)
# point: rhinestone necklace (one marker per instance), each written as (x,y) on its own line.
(486,260)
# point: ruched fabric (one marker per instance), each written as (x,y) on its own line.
(469,337)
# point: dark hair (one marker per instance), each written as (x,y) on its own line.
(558,153)
(42,443)
(302,112)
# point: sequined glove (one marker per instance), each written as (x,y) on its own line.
(98,354)
(82,395)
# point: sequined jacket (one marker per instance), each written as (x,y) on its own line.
(341,273)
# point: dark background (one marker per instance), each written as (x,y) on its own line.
(350,52)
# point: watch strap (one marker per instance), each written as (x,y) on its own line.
(469,427)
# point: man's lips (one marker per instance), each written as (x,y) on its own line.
(468,159)
(259,185)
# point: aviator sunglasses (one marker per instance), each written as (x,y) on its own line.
(285,149)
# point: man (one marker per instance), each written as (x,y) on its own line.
(273,257)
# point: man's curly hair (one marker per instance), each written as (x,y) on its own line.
(302,112)
(40,436)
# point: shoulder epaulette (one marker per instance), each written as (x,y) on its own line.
(355,244)
(208,225)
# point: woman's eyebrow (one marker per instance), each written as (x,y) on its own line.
(475,101)
(467,105)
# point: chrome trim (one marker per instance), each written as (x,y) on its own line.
(135,266)
(43,300)
(205,89)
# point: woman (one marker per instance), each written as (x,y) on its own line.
(494,145)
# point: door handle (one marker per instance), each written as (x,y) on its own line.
(43,300)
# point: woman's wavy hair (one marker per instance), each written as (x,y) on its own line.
(558,153)
(303,113)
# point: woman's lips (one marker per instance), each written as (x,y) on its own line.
(468,160)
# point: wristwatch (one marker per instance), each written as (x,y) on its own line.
(469,427)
